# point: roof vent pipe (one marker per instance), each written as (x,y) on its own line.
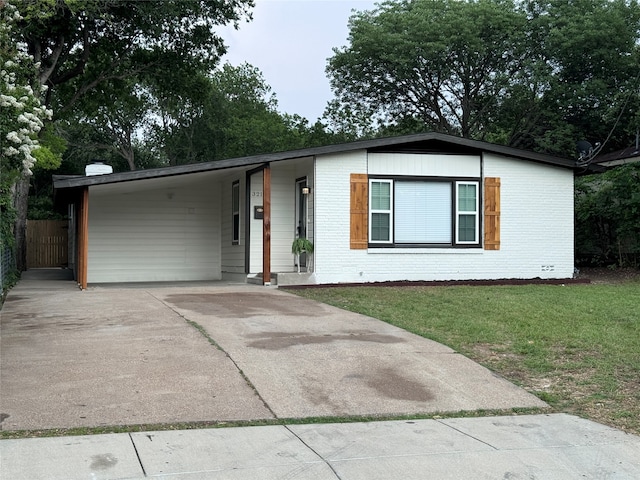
(97,168)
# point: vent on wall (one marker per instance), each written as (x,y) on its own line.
(97,168)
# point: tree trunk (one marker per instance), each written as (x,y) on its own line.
(20,202)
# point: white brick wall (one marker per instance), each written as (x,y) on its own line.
(536,229)
(334,261)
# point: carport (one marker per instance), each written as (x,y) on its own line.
(208,221)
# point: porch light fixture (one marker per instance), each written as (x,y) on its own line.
(306,190)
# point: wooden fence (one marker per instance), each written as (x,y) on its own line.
(47,243)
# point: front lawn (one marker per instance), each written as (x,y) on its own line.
(577,347)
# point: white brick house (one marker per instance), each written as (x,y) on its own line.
(418,207)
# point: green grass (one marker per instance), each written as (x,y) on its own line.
(577,347)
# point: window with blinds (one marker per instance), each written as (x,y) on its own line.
(423,212)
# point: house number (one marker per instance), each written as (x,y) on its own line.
(256,194)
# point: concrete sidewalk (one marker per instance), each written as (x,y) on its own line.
(549,447)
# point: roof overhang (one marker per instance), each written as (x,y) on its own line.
(423,142)
(619,157)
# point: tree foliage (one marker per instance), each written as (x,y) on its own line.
(82,44)
(95,57)
(88,47)
(532,74)
(443,62)
(608,217)
(22,116)
(235,114)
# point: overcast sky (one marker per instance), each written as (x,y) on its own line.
(290,42)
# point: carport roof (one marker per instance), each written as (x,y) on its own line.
(423,142)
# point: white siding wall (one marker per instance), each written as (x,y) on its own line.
(536,229)
(428,165)
(255,231)
(154,235)
(233,255)
(283,213)
(333,260)
(283,226)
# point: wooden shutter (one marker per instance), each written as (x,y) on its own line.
(491,213)
(359,211)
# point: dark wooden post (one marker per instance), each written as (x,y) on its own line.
(83,238)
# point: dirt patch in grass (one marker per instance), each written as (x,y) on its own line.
(570,386)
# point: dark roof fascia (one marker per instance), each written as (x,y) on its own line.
(61,182)
(489,147)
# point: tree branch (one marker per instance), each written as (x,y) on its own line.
(46,73)
(78,69)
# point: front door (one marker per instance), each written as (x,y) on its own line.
(301,214)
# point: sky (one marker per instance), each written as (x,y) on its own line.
(290,42)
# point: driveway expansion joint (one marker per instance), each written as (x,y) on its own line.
(212,341)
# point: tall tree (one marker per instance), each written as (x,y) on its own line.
(116,111)
(81,45)
(532,74)
(586,59)
(235,114)
(443,62)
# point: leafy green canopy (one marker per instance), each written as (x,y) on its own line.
(82,44)
(92,54)
(235,115)
(608,217)
(531,74)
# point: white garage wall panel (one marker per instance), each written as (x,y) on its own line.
(283,228)
(169,234)
(536,226)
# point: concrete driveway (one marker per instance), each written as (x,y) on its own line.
(217,352)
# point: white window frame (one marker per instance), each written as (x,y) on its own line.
(389,212)
(475,212)
(455,213)
(235,190)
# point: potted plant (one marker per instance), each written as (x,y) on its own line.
(301,245)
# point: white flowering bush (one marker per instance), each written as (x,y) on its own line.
(22,116)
